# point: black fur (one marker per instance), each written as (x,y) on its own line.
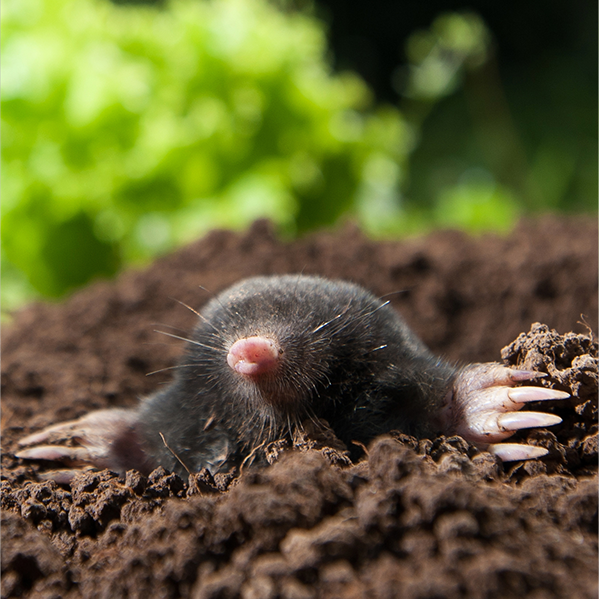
(346,357)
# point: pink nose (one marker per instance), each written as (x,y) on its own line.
(253,356)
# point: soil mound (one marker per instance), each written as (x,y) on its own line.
(412,518)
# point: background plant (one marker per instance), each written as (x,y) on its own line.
(128,130)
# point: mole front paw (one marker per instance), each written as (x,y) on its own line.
(104,439)
(483,408)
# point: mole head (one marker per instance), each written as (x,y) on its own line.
(286,343)
(271,361)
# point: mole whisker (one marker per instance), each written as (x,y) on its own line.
(170,368)
(164,343)
(184,305)
(170,326)
(393,293)
(227,310)
(186,339)
(198,314)
(367,314)
(324,324)
(312,417)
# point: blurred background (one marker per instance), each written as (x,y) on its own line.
(130,128)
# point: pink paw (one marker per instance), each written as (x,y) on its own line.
(483,407)
(104,439)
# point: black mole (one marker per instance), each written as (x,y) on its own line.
(271,352)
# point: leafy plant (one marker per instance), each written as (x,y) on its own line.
(128,130)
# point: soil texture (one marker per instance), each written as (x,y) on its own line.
(412,518)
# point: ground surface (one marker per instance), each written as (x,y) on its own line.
(412,519)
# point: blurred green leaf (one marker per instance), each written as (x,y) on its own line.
(477,203)
(128,130)
(438,55)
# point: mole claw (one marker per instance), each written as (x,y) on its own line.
(510,452)
(52,452)
(57,432)
(485,404)
(513,421)
(525,375)
(526,394)
(62,477)
(35,438)
(43,435)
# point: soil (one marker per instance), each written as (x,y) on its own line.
(428,518)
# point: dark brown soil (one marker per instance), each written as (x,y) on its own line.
(413,519)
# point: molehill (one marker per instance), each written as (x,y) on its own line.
(410,518)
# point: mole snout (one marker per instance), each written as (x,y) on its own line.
(253,356)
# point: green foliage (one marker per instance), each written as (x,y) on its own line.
(497,141)
(129,130)
(440,58)
(437,55)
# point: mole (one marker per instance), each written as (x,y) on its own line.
(271,352)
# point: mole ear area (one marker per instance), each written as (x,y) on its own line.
(103,439)
(484,408)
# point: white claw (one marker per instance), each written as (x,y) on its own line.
(519,376)
(510,452)
(62,477)
(35,437)
(526,394)
(513,421)
(484,407)
(54,452)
